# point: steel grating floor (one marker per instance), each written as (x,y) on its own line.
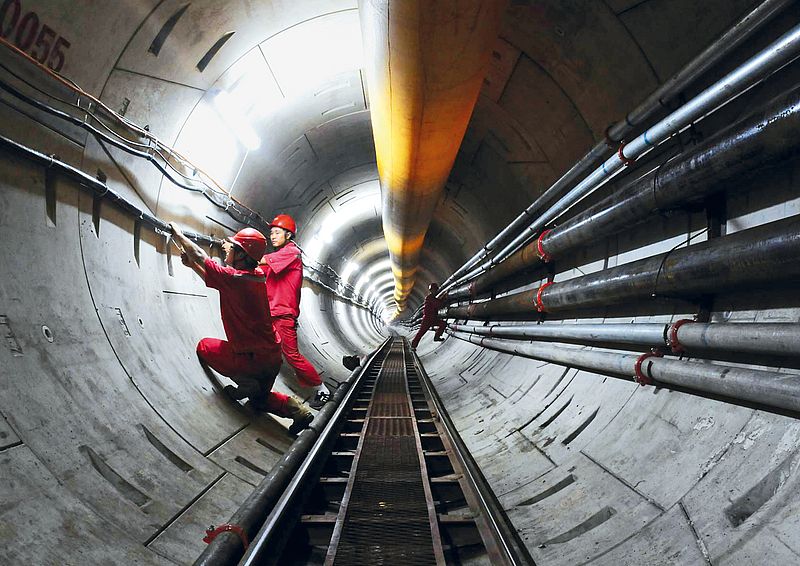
(388,518)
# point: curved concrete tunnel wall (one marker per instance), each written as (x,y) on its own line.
(113,427)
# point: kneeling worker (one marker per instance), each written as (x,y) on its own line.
(284,271)
(252,355)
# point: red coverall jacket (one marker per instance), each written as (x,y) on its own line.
(284,270)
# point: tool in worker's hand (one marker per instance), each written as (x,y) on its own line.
(184,257)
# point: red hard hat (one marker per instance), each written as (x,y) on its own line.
(284,221)
(251,241)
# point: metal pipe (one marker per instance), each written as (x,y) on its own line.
(645,334)
(635,118)
(770,339)
(767,388)
(99,189)
(271,536)
(753,258)
(763,139)
(780,53)
(226,548)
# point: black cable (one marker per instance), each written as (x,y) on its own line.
(231,207)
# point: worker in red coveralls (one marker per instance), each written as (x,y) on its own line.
(430,316)
(284,271)
(251,356)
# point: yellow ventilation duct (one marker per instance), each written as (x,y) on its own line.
(425,62)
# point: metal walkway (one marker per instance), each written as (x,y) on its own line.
(396,485)
(388,514)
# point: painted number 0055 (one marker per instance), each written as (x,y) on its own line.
(29,34)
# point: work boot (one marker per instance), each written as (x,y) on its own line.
(234,393)
(300,415)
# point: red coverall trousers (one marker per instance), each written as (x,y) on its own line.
(253,372)
(426,324)
(286,327)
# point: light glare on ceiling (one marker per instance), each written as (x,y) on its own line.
(236,120)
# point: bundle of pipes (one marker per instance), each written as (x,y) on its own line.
(761,257)
(766,389)
(694,338)
(775,56)
(766,138)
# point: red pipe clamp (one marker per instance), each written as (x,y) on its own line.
(543,255)
(673,342)
(539,304)
(212,532)
(639,376)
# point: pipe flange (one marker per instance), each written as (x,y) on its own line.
(638,375)
(672,338)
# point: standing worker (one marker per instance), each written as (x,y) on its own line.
(251,356)
(284,271)
(430,316)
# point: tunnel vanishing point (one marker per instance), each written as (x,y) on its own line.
(607,190)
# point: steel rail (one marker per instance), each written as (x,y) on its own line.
(505,535)
(272,532)
(732,39)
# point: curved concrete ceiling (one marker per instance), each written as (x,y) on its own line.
(279,115)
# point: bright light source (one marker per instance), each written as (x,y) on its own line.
(303,55)
(207,141)
(313,249)
(348,270)
(251,86)
(256,92)
(236,120)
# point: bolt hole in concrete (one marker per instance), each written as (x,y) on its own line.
(48,334)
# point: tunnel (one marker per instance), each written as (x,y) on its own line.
(616,231)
